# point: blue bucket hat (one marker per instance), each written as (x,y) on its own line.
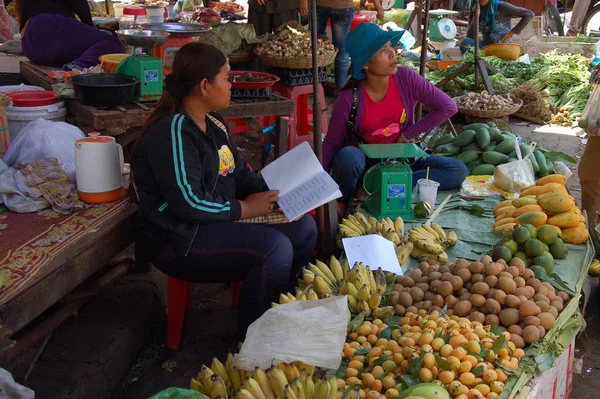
(363,42)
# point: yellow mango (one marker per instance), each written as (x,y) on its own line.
(527,208)
(576,235)
(534,218)
(519,202)
(560,179)
(553,193)
(557,204)
(533,190)
(508,227)
(546,188)
(503,204)
(504,221)
(566,219)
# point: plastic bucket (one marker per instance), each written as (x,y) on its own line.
(19,117)
(155,14)
(21,87)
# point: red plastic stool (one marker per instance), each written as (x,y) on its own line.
(237,125)
(301,129)
(179,297)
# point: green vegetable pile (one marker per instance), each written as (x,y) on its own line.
(562,79)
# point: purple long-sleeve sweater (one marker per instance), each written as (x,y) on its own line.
(413,89)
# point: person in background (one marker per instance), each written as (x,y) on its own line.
(580,8)
(268,15)
(52,36)
(193,187)
(494,23)
(340,14)
(386,100)
(6,26)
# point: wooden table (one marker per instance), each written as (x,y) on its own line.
(125,122)
(70,267)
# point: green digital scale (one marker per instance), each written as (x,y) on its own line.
(146,67)
(389,183)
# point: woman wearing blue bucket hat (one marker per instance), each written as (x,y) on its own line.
(377,106)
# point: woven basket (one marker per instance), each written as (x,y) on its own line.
(297,62)
(241,56)
(500,113)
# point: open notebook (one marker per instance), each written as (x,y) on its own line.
(302,183)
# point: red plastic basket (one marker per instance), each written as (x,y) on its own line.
(253,85)
(33,98)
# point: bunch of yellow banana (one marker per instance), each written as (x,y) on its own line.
(306,295)
(430,242)
(284,381)
(325,279)
(594,269)
(359,225)
(365,289)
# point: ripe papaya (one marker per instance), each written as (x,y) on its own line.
(546,188)
(533,190)
(505,212)
(566,219)
(519,202)
(534,218)
(527,208)
(503,204)
(504,221)
(576,235)
(555,193)
(557,203)
(560,179)
(529,196)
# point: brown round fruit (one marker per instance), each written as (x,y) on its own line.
(517,340)
(519,264)
(544,306)
(435,276)
(417,294)
(477,278)
(491,319)
(415,274)
(500,296)
(400,310)
(423,286)
(553,311)
(513,270)
(546,320)
(477,300)
(406,281)
(530,334)
(564,296)
(557,304)
(486,259)
(509,316)
(477,316)
(527,274)
(405,299)
(394,297)
(491,281)
(437,300)
(542,331)
(493,269)
(492,306)
(445,289)
(512,301)
(541,297)
(505,274)
(462,308)
(480,288)
(515,329)
(507,285)
(457,283)
(412,309)
(464,274)
(531,321)
(476,267)
(429,296)
(520,281)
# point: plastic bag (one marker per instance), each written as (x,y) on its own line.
(41,139)
(9,389)
(178,393)
(517,175)
(312,332)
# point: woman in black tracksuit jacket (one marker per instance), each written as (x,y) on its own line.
(193,185)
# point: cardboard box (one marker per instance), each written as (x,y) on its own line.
(555,383)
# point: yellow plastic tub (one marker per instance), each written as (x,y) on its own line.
(110,62)
(505,51)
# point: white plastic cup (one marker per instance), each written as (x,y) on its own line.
(428,191)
